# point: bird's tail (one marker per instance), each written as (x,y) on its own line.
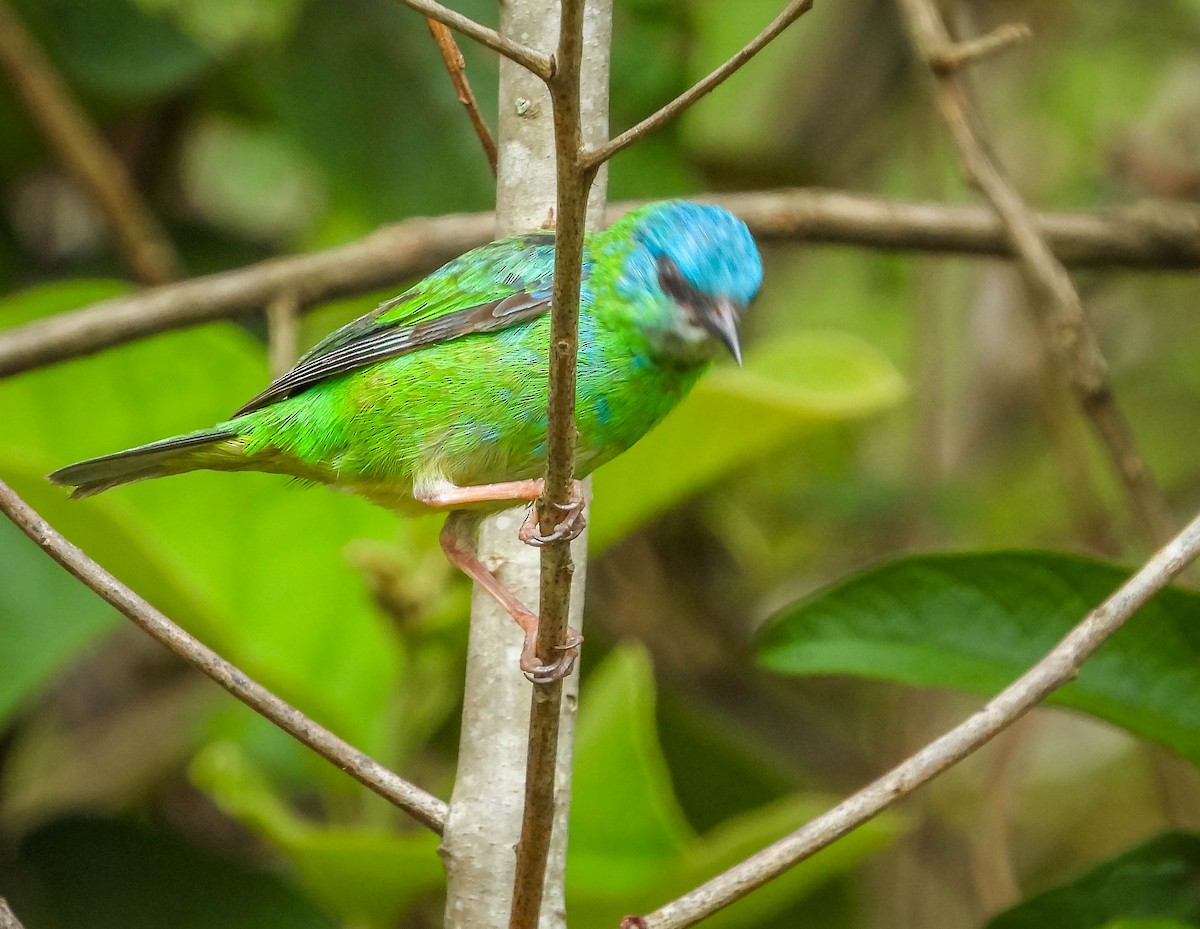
(158,459)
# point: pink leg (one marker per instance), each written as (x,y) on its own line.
(457,544)
(568,528)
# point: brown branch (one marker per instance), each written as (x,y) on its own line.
(84,153)
(457,69)
(960,54)
(1053,292)
(793,11)
(8,919)
(1158,237)
(534,61)
(1059,666)
(574,180)
(283,333)
(421,806)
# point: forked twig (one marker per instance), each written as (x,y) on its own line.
(539,64)
(420,805)
(1073,339)
(793,11)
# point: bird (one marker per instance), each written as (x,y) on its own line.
(437,398)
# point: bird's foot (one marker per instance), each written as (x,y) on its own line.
(540,672)
(567,529)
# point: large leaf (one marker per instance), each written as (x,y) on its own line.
(977,621)
(787,388)
(46,616)
(630,848)
(251,564)
(1153,886)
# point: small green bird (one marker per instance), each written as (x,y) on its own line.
(437,398)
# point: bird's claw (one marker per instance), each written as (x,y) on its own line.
(566,529)
(539,672)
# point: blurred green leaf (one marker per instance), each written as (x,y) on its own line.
(226,24)
(787,388)
(106,874)
(625,821)
(252,565)
(365,876)
(977,621)
(630,847)
(46,617)
(1153,886)
(113,49)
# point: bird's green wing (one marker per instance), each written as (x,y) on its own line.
(489,288)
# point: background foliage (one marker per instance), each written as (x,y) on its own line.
(890,406)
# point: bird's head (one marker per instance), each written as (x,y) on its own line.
(692,271)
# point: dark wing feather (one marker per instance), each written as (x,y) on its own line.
(393,342)
(493,287)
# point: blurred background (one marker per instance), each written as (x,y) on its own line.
(892,405)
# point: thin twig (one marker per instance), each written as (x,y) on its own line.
(283,332)
(84,153)
(457,69)
(574,181)
(539,64)
(1074,341)
(793,11)
(421,806)
(1059,666)
(961,54)
(8,919)
(1157,237)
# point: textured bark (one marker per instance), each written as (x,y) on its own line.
(484,823)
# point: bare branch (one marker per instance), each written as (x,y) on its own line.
(421,806)
(793,11)
(1152,236)
(1058,667)
(84,153)
(1073,339)
(458,76)
(574,180)
(539,64)
(8,919)
(963,53)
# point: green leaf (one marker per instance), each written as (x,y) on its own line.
(977,621)
(364,876)
(35,593)
(625,821)
(786,389)
(108,874)
(251,564)
(1153,886)
(630,847)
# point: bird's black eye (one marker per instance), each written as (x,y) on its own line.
(672,281)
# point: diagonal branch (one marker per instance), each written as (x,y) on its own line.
(597,156)
(539,64)
(457,69)
(1074,341)
(1059,666)
(421,806)
(84,153)
(1158,236)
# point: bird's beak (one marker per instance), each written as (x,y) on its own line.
(721,320)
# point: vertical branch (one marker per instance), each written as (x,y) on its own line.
(574,181)
(84,153)
(484,822)
(283,332)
